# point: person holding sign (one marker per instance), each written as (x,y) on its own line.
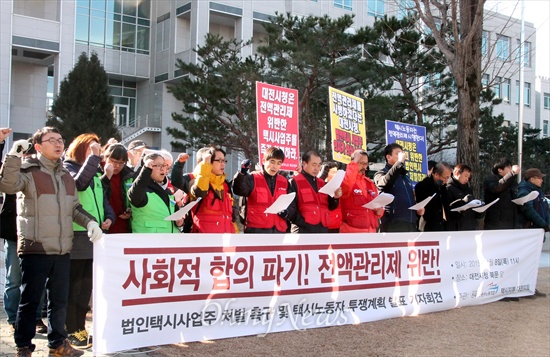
(150,198)
(312,207)
(393,179)
(437,210)
(358,190)
(262,188)
(460,193)
(214,214)
(502,184)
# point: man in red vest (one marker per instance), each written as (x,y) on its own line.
(358,190)
(262,188)
(312,208)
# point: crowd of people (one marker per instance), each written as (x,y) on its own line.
(57,201)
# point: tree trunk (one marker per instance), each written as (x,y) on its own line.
(468,68)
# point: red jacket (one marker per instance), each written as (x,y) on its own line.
(357,190)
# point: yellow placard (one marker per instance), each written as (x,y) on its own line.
(347,124)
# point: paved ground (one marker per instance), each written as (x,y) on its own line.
(7,345)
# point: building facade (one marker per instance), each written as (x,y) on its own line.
(139,41)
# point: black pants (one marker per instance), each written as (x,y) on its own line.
(80,291)
(398,226)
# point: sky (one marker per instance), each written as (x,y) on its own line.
(538,13)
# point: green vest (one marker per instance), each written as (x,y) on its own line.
(150,218)
(91,200)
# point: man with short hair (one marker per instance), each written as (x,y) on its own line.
(309,211)
(135,150)
(358,190)
(262,188)
(437,210)
(502,184)
(393,179)
(460,193)
(534,214)
(47,206)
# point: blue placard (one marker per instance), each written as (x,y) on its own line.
(413,140)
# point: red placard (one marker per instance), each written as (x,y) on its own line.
(277,113)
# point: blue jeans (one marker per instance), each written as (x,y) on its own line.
(12,286)
(37,271)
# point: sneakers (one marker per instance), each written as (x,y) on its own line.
(65,350)
(12,329)
(80,339)
(23,352)
(40,327)
(539,294)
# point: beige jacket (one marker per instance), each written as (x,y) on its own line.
(47,204)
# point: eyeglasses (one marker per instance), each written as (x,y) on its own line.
(54,141)
(117,162)
(160,166)
(220,161)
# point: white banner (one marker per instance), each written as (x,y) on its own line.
(154,289)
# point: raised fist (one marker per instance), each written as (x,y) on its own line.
(245,165)
(19,147)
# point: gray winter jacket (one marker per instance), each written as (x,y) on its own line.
(47,204)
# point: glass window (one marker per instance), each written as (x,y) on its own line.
(82,23)
(142,38)
(547,101)
(83,3)
(343,4)
(485,81)
(98,5)
(545,128)
(114,6)
(526,93)
(404,7)
(112,35)
(526,53)
(97,36)
(503,47)
(129,7)
(505,90)
(484,39)
(144,9)
(128,36)
(375,8)
(496,87)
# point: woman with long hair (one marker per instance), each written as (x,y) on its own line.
(82,161)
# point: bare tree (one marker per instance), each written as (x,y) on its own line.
(457,27)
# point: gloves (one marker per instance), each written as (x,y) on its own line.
(283,214)
(19,147)
(94,232)
(245,164)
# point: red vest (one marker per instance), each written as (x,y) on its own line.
(260,199)
(313,206)
(363,191)
(214,215)
(334,220)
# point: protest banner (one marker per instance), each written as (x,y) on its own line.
(413,140)
(153,289)
(277,117)
(347,124)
